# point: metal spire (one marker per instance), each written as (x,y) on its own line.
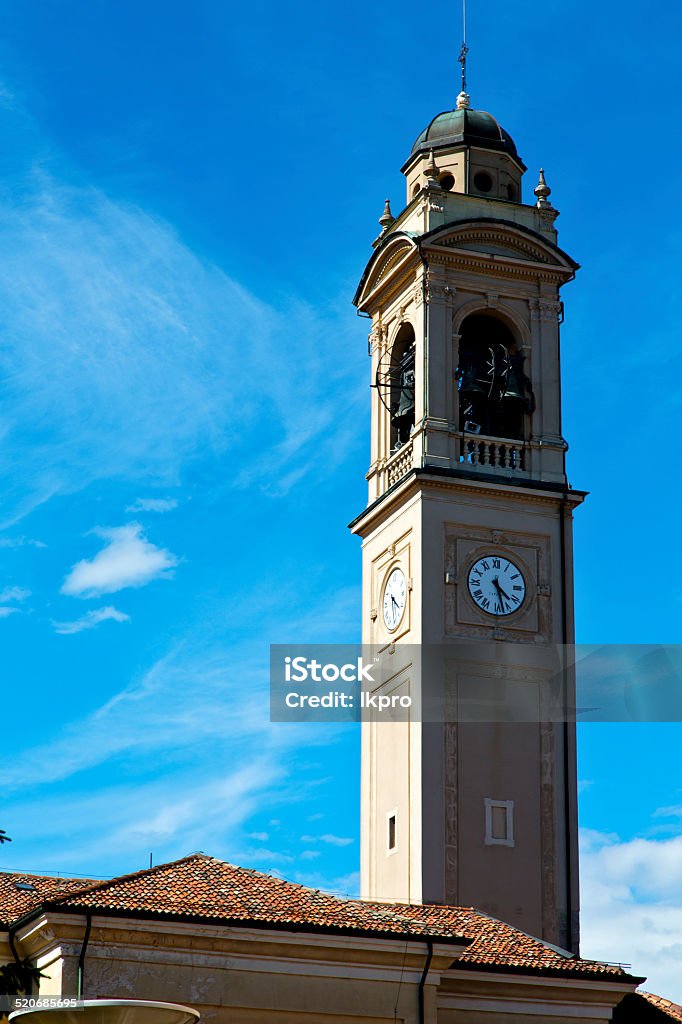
(463,100)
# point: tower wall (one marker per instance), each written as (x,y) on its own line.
(453,812)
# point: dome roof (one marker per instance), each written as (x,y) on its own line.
(471,127)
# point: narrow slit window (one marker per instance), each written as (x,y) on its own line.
(391,832)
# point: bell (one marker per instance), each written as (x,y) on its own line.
(406,397)
(470,383)
(513,392)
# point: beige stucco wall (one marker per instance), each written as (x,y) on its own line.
(238,974)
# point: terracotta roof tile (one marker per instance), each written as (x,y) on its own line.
(20,893)
(671,1010)
(202,887)
(497,944)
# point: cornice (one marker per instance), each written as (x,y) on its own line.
(418,480)
(498,265)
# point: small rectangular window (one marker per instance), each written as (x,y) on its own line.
(391,832)
(499,822)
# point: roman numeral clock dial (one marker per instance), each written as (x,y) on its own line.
(496,584)
(395,597)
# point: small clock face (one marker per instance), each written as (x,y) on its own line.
(497,585)
(395,597)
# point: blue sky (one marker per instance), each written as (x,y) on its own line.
(187,199)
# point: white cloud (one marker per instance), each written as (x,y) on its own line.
(310,854)
(336,840)
(127,560)
(90,620)
(330,840)
(153,505)
(631,906)
(260,837)
(261,856)
(14,594)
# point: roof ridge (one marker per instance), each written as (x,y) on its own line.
(51,878)
(108,883)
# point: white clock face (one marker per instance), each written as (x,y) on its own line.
(497,585)
(395,597)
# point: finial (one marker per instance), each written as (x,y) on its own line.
(464,100)
(542,191)
(431,171)
(462,59)
(387,218)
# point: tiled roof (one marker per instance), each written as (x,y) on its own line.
(496,944)
(671,1010)
(16,898)
(202,887)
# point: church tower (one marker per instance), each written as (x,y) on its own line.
(467,534)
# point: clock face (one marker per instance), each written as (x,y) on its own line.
(395,597)
(497,585)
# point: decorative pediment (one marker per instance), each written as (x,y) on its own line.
(500,239)
(384,264)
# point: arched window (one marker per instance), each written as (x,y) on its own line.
(495,396)
(401,401)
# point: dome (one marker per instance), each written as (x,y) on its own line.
(470,127)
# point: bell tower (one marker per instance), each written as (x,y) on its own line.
(467,534)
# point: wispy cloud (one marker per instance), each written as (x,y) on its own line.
(9,598)
(152,505)
(20,542)
(127,560)
(10,594)
(125,354)
(107,828)
(90,620)
(209,697)
(329,839)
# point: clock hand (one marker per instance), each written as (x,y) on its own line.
(500,591)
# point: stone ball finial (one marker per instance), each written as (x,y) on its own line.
(542,190)
(387,218)
(463,101)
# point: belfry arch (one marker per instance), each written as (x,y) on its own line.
(494,391)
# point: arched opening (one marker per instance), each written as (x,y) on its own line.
(401,398)
(415,190)
(495,396)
